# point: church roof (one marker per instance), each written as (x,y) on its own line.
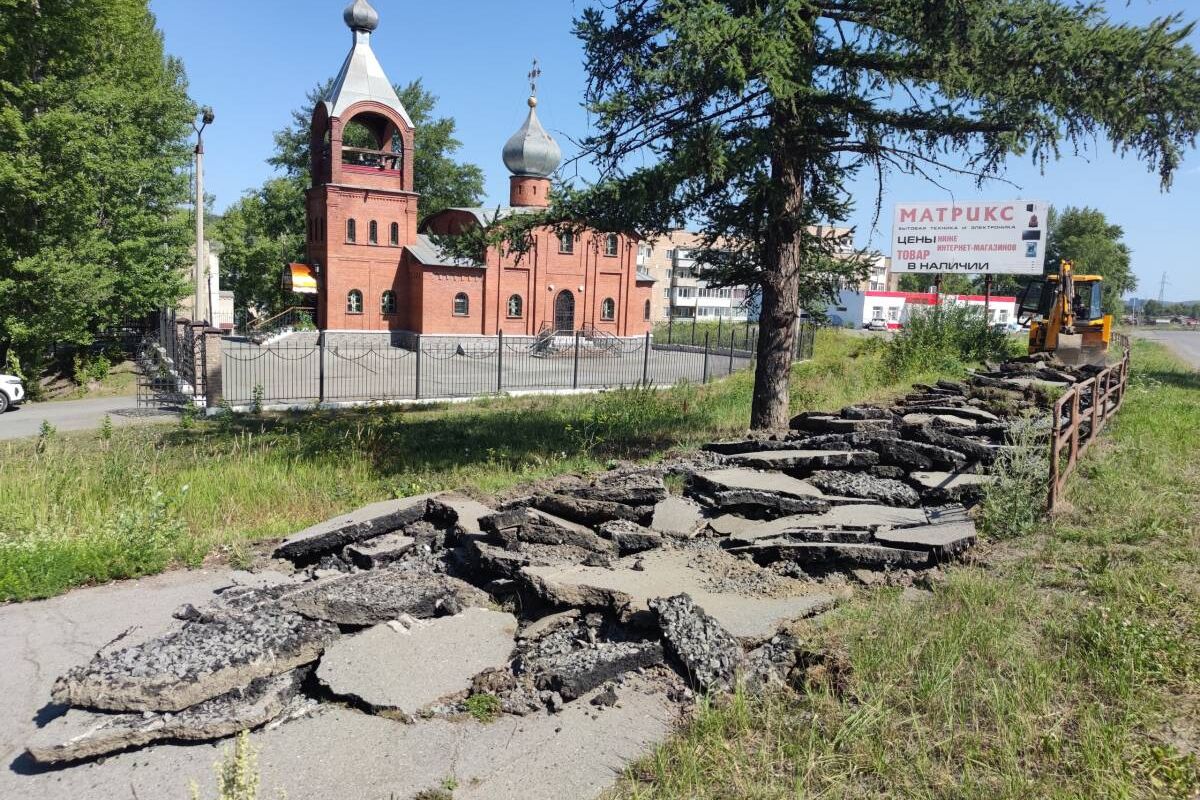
(361,78)
(531,151)
(426,251)
(486,215)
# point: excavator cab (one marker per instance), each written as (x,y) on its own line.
(1066,317)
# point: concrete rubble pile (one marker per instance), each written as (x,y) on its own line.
(409,608)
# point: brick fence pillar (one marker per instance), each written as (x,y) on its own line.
(213,386)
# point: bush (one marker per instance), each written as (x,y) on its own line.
(91,370)
(945,338)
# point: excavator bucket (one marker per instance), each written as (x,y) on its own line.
(1070,349)
(1073,352)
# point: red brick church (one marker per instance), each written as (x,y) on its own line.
(372,259)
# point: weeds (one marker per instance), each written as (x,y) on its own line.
(237,773)
(46,434)
(1014,503)
(945,338)
(106,428)
(483,707)
(187,416)
(256,398)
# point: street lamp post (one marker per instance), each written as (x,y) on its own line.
(199,309)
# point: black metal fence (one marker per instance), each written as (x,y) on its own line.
(690,332)
(334,368)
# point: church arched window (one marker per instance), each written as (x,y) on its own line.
(387,302)
(514,306)
(608,309)
(462,305)
(354,304)
(351,231)
(373,232)
(394,235)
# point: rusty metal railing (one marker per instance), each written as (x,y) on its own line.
(1079,416)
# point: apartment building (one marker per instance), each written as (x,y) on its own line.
(679,292)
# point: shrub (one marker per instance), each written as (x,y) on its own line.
(88,370)
(944,338)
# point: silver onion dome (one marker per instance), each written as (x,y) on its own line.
(360,16)
(531,151)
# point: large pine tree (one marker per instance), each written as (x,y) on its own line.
(751,117)
(93,154)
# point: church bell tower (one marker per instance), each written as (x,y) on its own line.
(361,208)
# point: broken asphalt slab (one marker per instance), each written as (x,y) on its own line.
(369,598)
(81,734)
(831,554)
(205,658)
(405,669)
(942,540)
(310,544)
(749,602)
(806,460)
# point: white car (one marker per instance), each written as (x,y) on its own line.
(12,393)
(877,324)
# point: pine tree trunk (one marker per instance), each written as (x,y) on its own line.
(780,296)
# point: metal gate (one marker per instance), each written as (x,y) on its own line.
(172,365)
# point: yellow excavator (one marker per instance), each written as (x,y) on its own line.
(1066,317)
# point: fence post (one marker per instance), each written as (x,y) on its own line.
(1055,436)
(646,362)
(575,368)
(671,329)
(695,309)
(499,361)
(321,367)
(720,322)
(732,335)
(747,341)
(705,373)
(417,388)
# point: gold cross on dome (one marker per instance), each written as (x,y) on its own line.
(534,74)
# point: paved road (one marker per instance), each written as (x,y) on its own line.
(1185,344)
(75,415)
(334,753)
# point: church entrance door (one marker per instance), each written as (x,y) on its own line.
(564,311)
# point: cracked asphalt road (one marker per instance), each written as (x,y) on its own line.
(334,753)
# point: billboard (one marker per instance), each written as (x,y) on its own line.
(996,238)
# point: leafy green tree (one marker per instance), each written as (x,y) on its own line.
(441,181)
(93,153)
(752,117)
(1086,237)
(951,284)
(260,233)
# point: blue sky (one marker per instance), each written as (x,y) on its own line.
(254,60)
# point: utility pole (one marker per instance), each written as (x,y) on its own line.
(1162,289)
(199,306)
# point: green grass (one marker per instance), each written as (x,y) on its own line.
(1068,668)
(79,508)
(484,707)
